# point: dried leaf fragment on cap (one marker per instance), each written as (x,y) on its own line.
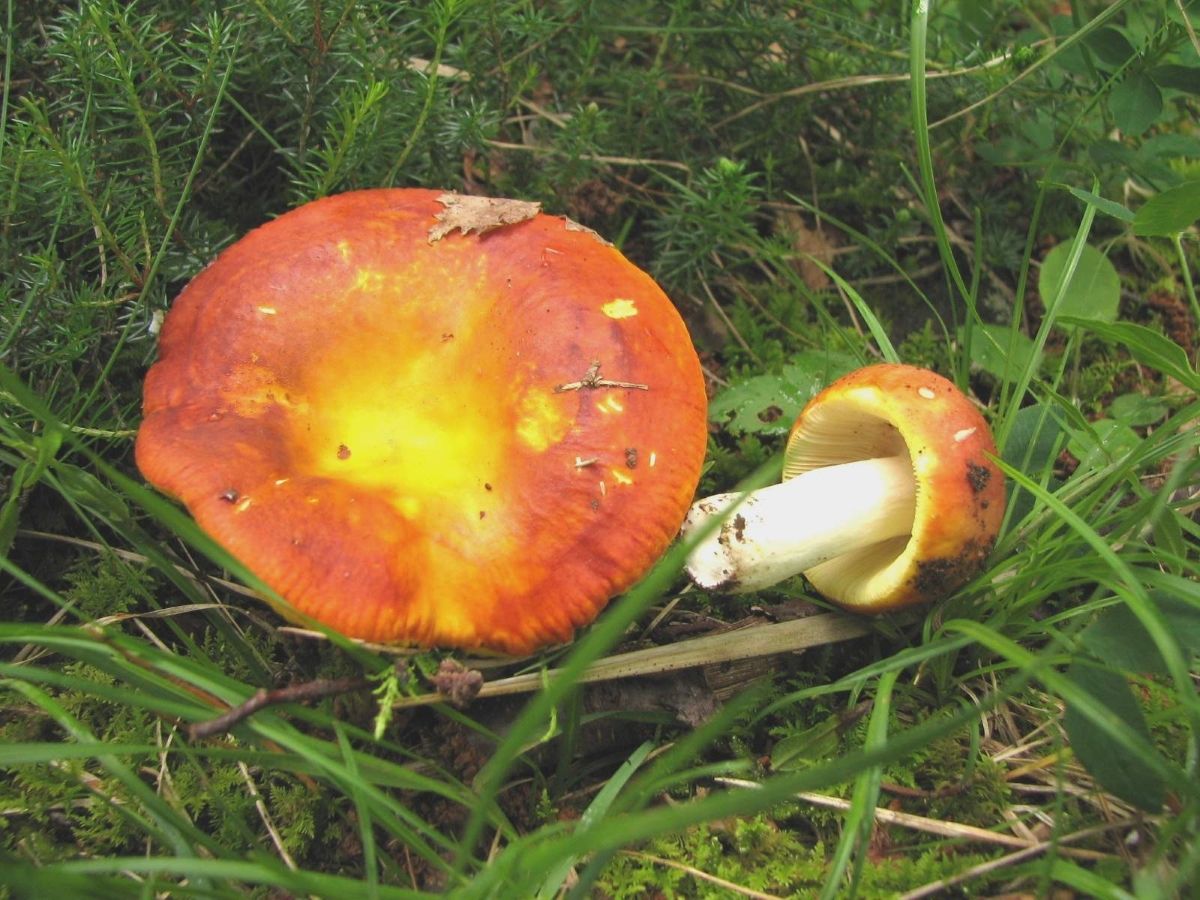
(468,214)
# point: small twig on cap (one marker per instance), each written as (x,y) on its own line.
(592,380)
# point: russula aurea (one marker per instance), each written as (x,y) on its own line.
(890,497)
(429,419)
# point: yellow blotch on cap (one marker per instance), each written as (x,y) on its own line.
(620,477)
(610,404)
(620,308)
(540,422)
(368,280)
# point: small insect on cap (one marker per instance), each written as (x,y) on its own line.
(881,411)
(428,418)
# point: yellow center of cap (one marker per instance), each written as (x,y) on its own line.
(415,412)
(421,438)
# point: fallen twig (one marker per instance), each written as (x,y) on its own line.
(262,698)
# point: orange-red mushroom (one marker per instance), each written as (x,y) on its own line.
(429,419)
(890,497)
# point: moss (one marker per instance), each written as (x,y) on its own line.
(757,853)
(941,780)
(107,586)
(926,347)
(754,853)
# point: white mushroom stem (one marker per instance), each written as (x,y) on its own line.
(788,528)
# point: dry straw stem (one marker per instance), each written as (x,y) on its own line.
(265,816)
(924,823)
(937,887)
(745,643)
(701,875)
(130,556)
(855,81)
(593,157)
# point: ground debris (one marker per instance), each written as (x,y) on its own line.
(458,684)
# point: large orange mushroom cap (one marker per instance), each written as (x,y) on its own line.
(415,434)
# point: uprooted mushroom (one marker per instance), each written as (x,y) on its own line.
(891,497)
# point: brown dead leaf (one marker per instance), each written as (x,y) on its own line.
(807,243)
(479,214)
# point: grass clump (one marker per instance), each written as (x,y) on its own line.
(1004,193)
